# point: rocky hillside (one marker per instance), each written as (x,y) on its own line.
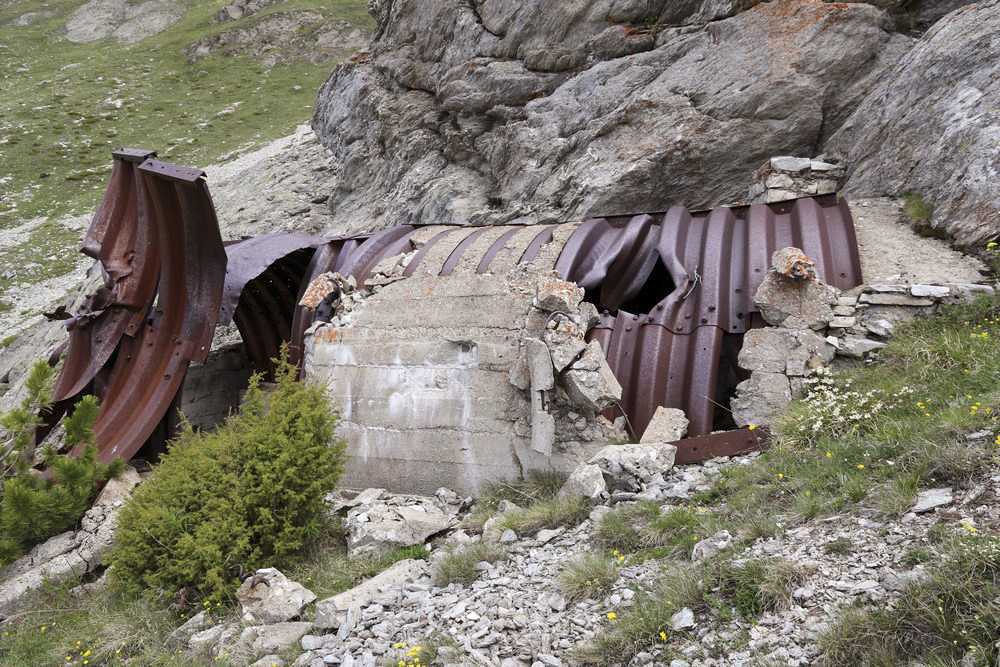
(487,112)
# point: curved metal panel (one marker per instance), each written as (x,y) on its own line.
(149,369)
(248,259)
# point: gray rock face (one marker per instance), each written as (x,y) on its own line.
(534,111)
(931,126)
(271,597)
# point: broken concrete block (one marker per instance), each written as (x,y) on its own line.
(628,467)
(587,481)
(759,399)
(565,341)
(843,322)
(667,425)
(555,294)
(119,489)
(590,384)
(399,521)
(332,612)
(318,290)
(539,365)
(271,597)
(791,294)
(773,350)
(543,432)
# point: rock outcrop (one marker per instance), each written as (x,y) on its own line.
(932,127)
(535,111)
(125,21)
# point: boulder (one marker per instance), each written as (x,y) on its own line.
(667,425)
(271,597)
(534,111)
(116,491)
(392,522)
(628,467)
(332,612)
(277,637)
(931,127)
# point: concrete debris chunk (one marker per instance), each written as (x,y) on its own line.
(318,290)
(587,481)
(565,341)
(774,350)
(391,523)
(667,425)
(760,398)
(554,294)
(590,384)
(792,295)
(271,597)
(539,365)
(932,498)
(629,467)
(331,613)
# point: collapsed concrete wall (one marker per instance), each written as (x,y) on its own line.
(470,378)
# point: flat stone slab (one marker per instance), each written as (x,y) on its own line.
(932,498)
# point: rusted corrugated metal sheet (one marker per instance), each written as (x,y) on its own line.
(675,289)
(148,371)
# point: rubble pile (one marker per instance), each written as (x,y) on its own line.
(785,177)
(814,326)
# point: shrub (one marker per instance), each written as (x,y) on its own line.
(249,495)
(34,507)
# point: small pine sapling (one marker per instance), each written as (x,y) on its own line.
(35,506)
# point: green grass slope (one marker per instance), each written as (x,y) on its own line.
(64,107)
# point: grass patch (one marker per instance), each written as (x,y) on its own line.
(459,565)
(878,434)
(645,528)
(537,486)
(917,209)
(56,627)
(64,107)
(950,617)
(545,514)
(839,547)
(721,588)
(590,576)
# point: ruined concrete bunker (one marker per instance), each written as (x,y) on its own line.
(425,339)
